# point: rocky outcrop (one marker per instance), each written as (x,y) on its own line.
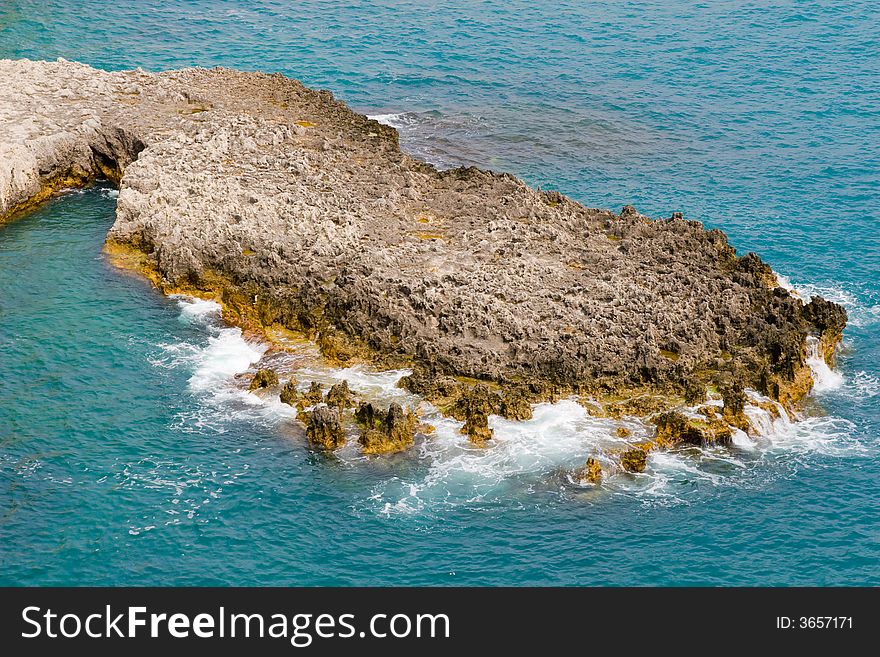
(263,379)
(383,432)
(675,428)
(293,210)
(340,396)
(473,407)
(289,394)
(634,459)
(324,428)
(590,473)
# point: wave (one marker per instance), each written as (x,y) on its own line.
(861,306)
(444,469)
(824,378)
(444,140)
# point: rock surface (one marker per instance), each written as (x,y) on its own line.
(293,209)
(324,428)
(384,432)
(263,379)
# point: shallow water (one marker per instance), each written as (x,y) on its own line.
(128,456)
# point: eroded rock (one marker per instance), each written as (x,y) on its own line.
(634,459)
(674,428)
(324,428)
(384,432)
(264,378)
(314,395)
(295,210)
(474,407)
(340,396)
(289,394)
(591,472)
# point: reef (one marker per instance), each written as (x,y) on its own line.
(294,211)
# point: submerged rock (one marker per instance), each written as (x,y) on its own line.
(296,211)
(263,379)
(324,428)
(384,432)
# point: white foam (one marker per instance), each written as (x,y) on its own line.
(824,378)
(197,310)
(226,355)
(863,386)
(860,308)
(394,120)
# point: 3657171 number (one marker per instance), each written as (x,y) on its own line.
(814,622)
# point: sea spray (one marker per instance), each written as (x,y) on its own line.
(444,468)
(824,378)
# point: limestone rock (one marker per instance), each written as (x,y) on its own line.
(314,395)
(384,432)
(590,473)
(733,395)
(289,393)
(340,396)
(300,212)
(674,428)
(263,379)
(431,383)
(516,405)
(634,459)
(474,408)
(324,428)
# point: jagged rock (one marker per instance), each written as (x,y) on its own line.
(733,395)
(634,460)
(431,384)
(289,393)
(622,432)
(340,396)
(263,379)
(674,428)
(516,405)
(324,428)
(243,185)
(590,473)
(479,400)
(694,392)
(474,408)
(314,395)
(383,432)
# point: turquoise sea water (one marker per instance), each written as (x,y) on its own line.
(126,457)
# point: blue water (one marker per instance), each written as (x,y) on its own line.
(126,458)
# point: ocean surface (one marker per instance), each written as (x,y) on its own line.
(128,455)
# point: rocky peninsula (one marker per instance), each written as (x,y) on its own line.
(294,211)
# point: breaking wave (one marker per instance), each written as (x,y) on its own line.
(538,455)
